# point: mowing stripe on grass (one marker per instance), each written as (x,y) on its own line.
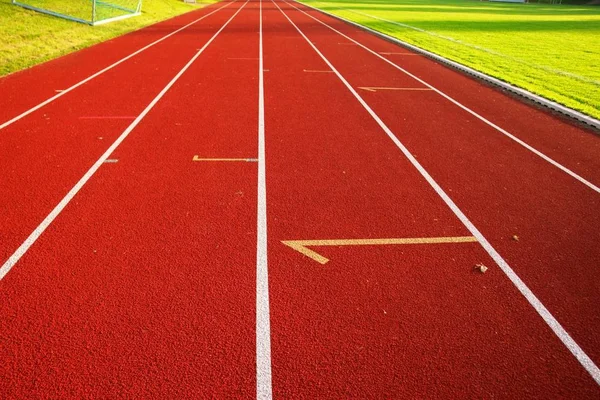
(33,237)
(467,109)
(496,53)
(89,78)
(552,322)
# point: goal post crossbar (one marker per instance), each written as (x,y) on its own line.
(90,12)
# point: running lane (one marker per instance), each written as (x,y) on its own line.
(27,88)
(144,286)
(571,145)
(398,321)
(47,152)
(541,220)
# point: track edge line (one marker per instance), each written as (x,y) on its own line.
(552,105)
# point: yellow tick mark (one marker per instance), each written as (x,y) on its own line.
(301,246)
(196,158)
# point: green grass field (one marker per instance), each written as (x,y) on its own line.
(551,50)
(29,38)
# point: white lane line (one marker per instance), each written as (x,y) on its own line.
(111,161)
(31,239)
(467,109)
(264,389)
(556,327)
(89,78)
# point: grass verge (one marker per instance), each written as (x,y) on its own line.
(30,38)
(550,50)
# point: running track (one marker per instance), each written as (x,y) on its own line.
(145,210)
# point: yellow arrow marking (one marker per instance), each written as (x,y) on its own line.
(401,54)
(196,158)
(301,246)
(374,89)
(315,70)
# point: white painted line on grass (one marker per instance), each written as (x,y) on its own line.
(467,109)
(31,239)
(120,17)
(264,389)
(89,78)
(556,327)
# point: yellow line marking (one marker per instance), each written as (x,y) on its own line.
(374,89)
(401,54)
(316,70)
(196,158)
(301,246)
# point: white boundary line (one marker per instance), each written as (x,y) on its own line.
(467,109)
(577,115)
(264,389)
(89,78)
(31,239)
(119,18)
(556,327)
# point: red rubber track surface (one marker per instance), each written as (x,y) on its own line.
(503,188)
(49,150)
(409,322)
(145,285)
